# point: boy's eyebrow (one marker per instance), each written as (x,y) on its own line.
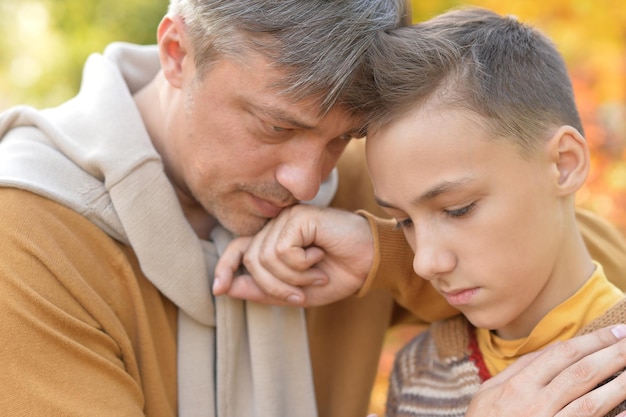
(433,192)
(441,188)
(383,203)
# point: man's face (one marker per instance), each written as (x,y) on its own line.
(242,152)
(483,221)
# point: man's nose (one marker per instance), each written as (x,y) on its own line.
(302,175)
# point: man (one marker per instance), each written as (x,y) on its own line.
(116,204)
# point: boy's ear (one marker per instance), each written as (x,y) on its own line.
(172,43)
(570,155)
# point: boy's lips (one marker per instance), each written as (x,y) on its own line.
(460,296)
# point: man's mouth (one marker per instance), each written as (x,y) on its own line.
(269,208)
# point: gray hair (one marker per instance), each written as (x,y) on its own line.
(320,44)
(497,67)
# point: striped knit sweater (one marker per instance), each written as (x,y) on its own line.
(438,372)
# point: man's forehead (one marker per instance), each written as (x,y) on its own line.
(266,93)
(306,114)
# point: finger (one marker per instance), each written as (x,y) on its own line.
(585,375)
(600,401)
(298,258)
(293,242)
(228,263)
(572,369)
(245,288)
(266,250)
(269,266)
(559,361)
(271,274)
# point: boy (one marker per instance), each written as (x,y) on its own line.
(477,152)
(486,168)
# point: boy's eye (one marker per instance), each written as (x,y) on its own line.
(463,211)
(404,223)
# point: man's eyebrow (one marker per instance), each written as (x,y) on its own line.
(282,116)
(433,192)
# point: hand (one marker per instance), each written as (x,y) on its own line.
(558,381)
(306,256)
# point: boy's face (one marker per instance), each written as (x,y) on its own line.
(484,222)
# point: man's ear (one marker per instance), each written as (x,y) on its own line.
(570,155)
(173,50)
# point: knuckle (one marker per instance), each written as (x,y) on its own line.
(282,249)
(567,350)
(587,406)
(582,372)
(277,290)
(248,261)
(265,257)
(622,351)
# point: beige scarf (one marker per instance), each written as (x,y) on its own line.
(93,155)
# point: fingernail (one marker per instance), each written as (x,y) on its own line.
(619,331)
(294,299)
(318,283)
(216,284)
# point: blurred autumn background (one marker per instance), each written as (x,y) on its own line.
(45,42)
